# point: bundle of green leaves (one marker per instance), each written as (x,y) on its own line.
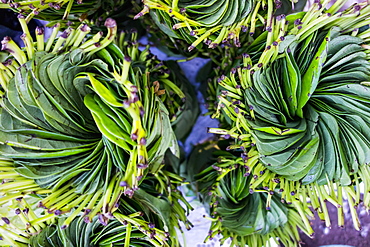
(88,119)
(141,221)
(238,210)
(72,10)
(299,96)
(214,22)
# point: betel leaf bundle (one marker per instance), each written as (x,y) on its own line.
(58,10)
(302,103)
(213,22)
(238,210)
(85,121)
(141,221)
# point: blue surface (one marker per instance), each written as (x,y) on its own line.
(336,245)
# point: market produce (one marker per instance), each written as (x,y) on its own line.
(85,122)
(62,9)
(94,127)
(238,210)
(302,103)
(213,22)
(141,221)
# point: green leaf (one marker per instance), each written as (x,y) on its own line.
(310,79)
